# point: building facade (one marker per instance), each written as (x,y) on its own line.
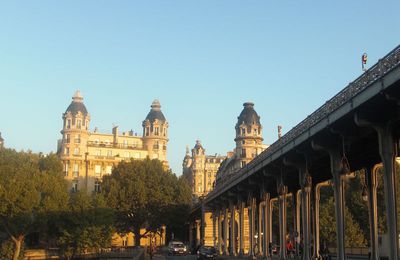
(88,155)
(248,142)
(200,169)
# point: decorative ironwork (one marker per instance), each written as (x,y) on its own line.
(376,72)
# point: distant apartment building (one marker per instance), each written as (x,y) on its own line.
(88,155)
(200,169)
(248,141)
(205,171)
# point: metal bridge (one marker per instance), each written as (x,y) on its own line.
(359,128)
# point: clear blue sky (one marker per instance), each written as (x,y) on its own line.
(201,59)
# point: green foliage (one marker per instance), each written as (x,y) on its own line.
(7,250)
(354,236)
(32,188)
(86,225)
(145,195)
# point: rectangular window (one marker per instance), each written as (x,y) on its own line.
(156,131)
(79,124)
(69,124)
(125,143)
(76,170)
(76,151)
(109,153)
(74,186)
(97,186)
(67,138)
(97,152)
(77,139)
(155,156)
(66,168)
(66,151)
(147,131)
(108,169)
(97,170)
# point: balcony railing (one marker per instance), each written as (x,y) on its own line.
(117,145)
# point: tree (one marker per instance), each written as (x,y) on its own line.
(354,236)
(178,213)
(88,224)
(143,193)
(32,188)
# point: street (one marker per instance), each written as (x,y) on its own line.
(187,257)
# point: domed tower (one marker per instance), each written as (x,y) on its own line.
(187,162)
(75,134)
(248,135)
(199,158)
(155,133)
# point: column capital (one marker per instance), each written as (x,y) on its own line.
(282,189)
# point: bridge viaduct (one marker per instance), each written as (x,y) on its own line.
(359,128)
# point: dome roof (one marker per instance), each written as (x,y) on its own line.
(248,116)
(77,104)
(155,112)
(198,145)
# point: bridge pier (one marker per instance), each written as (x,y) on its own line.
(219,249)
(226,231)
(282,192)
(316,227)
(306,210)
(338,170)
(372,184)
(214,223)
(241,226)
(259,228)
(383,126)
(232,236)
(251,212)
(297,198)
(266,227)
(387,150)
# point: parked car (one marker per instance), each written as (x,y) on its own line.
(206,252)
(177,248)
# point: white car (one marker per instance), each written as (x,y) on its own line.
(177,248)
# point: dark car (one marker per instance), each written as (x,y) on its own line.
(177,248)
(207,252)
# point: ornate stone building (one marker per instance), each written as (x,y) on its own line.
(88,155)
(200,169)
(248,142)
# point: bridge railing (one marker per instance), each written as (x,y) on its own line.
(377,71)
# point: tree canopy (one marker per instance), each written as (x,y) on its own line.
(144,194)
(31,187)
